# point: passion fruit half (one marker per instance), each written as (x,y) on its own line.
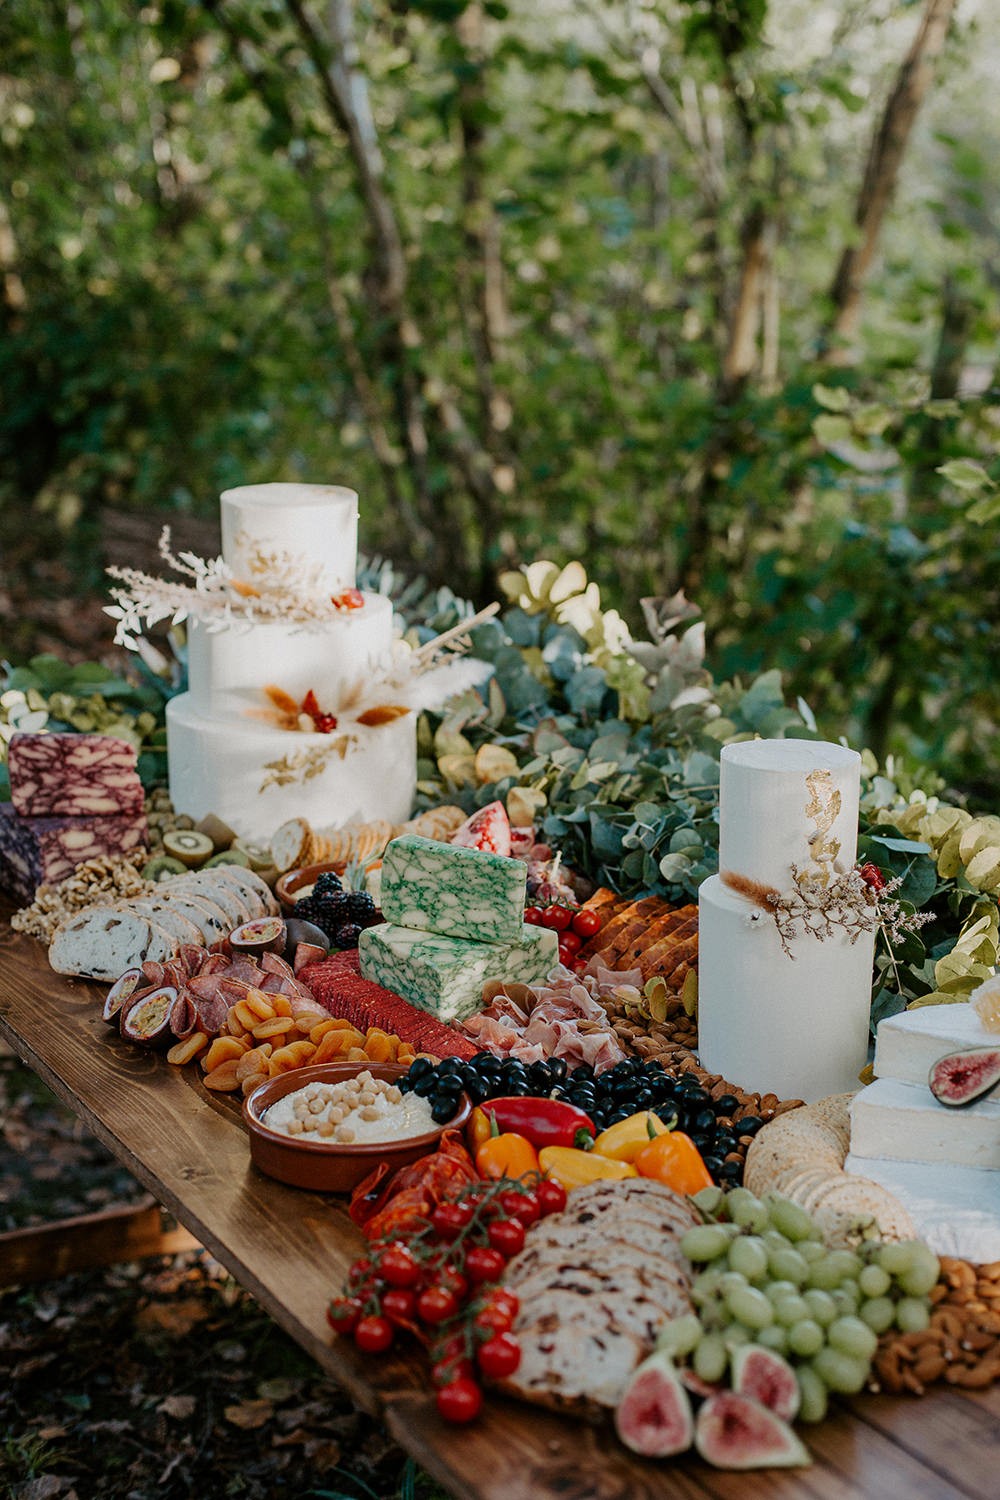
(147,1020)
(124,987)
(263,935)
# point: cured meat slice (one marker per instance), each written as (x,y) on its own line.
(47,850)
(77,775)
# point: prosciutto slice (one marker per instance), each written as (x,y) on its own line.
(564,1018)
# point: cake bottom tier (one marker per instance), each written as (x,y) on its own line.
(254,777)
(795,1027)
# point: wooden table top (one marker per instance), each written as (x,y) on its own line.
(291,1249)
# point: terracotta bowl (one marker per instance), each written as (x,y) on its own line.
(325,1166)
(294,883)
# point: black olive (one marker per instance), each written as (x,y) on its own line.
(469,1074)
(425,1086)
(618,1115)
(420,1068)
(731,1171)
(713,1163)
(583,1073)
(487,1064)
(726,1104)
(512,1068)
(538,1072)
(451,1084)
(704,1121)
(519,1088)
(450,1065)
(442,1108)
(642,1099)
(724,1142)
(477,1091)
(405,1084)
(749,1126)
(697,1095)
(557,1069)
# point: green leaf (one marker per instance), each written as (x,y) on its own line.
(831,431)
(966,475)
(833,397)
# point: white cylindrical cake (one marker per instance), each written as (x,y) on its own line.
(792,1023)
(228,669)
(316,524)
(783,802)
(795,1027)
(218,766)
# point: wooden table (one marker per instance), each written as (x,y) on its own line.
(290,1249)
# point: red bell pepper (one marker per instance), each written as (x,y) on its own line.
(543,1122)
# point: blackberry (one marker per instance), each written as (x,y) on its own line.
(327,882)
(359,905)
(311,909)
(347,935)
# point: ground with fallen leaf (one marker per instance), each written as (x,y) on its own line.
(161,1378)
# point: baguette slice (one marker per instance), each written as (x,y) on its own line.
(251,885)
(222,892)
(180,927)
(103,942)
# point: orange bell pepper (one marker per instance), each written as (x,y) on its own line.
(506,1155)
(674,1160)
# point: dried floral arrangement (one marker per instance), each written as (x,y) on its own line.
(855,901)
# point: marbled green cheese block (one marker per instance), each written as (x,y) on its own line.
(459,893)
(445,975)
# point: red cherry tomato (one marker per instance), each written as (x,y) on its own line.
(523,1206)
(360,1272)
(460,1401)
(500,1297)
(449,1219)
(484,1264)
(557,917)
(399,1304)
(374,1334)
(566,956)
(493,1317)
(507,1236)
(499,1356)
(533,916)
(343,1314)
(436,1304)
(551,1196)
(454,1281)
(586,922)
(570,942)
(447,1370)
(398,1266)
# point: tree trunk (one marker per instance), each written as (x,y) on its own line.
(740,358)
(935,433)
(885,158)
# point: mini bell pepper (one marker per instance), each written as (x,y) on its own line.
(624,1141)
(575,1168)
(543,1122)
(674,1160)
(507,1155)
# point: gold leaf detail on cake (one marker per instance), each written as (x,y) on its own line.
(282,701)
(245,590)
(823,810)
(305,764)
(383,713)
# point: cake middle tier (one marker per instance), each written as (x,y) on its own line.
(792,1026)
(219,765)
(229,669)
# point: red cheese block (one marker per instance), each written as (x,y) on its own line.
(73,775)
(337,985)
(34,851)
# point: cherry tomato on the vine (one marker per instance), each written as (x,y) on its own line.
(436,1304)
(507,1236)
(551,1196)
(586,922)
(399,1267)
(453,1281)
(499,1356)
(373,1334)
(533,916)
(460,1401)
(447,1370)
(343,1314)
(557,918)
(493,1318)
(449,1219)
(523,1206)
(571,942)
(500,1297)
(484,1264)
(399,1304)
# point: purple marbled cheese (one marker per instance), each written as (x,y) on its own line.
(36,851)
(73,775)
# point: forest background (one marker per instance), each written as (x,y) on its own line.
(701,292)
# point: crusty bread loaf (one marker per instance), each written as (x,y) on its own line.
(103,941)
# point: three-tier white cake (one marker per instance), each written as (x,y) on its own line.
(785,1018)
(222,753)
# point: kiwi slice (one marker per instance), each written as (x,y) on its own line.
(229,857)
(215,829)
(162,867)
(259,856)
(189,846)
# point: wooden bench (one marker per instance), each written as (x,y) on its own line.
(291,1250)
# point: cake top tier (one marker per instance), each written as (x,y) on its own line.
(314,524)
(785,803)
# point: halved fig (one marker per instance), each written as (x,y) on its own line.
(963,1077)
(654,1414)
(147,1020)
(766,1378)
(733,1432)
(264,935)
(124,987)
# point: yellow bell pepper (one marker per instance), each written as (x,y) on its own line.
(624,1141)
(575,1168)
